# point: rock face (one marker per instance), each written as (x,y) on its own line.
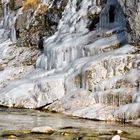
(32,25)
(132,12)
(89,67)
(112,14)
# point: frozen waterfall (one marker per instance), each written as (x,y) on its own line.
(87,73)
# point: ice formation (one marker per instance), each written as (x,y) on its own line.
(90,74)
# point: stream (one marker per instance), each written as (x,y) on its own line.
(14,123)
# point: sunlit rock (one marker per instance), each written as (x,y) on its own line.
(117,137)
(43,129)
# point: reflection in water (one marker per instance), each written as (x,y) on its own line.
(17,119)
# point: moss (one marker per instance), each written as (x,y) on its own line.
(26,134)
(13,134)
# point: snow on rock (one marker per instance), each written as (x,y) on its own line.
(13,73)
(84,72)
(128,112)
(32,94)
(72,101)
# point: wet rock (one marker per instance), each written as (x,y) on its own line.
(119,131)
(13,134)
(117,137)
(43,129)
(137,122)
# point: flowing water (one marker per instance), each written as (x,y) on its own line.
(21,120)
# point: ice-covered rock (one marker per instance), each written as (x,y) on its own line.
(87,68)
(33,94)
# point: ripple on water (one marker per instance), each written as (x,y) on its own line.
(66,127)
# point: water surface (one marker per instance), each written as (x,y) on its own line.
(22,119)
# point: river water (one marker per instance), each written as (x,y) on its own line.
(22,119)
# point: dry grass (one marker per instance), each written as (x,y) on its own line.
(42,10)
(30,4)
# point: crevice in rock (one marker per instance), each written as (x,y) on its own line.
(93,23)
(112,14)
(40,42)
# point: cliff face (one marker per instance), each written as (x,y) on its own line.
(33,20)
(87,67)
(132,12)
(42,20)
(37,22)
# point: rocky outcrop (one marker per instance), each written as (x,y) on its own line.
(132,12)
(35,23)
(15,4)
(31,20)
